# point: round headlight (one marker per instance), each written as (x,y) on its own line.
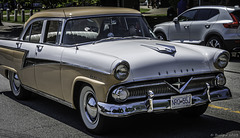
(121,71)
(222,61)
(220,80)
(120,94)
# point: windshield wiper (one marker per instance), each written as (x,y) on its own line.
(137,37)
(121,38)
(107,39)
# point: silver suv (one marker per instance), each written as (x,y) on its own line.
(216,26)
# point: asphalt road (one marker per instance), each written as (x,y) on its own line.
(40,117)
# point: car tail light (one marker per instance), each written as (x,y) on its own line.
(234,24)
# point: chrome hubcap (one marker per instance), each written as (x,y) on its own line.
(214,43)
(90,105)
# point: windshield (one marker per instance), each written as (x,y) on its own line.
(94,29)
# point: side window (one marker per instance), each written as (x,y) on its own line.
(213,13)
(53,32)
(33,34)
(36,32)
(27,34)
(202,14)
(205,14)
(187,16)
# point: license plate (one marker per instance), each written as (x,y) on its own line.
(181,101)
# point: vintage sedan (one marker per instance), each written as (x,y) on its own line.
(105,62)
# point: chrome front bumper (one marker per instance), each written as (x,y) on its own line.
(158,105)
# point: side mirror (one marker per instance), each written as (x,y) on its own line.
(175,19)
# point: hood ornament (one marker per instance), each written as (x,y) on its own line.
(179,86)
(166,49)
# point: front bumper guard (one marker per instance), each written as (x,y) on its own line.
(158,105)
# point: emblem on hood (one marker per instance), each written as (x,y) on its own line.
(166,49)
(179,86)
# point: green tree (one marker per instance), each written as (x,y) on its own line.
(174,3)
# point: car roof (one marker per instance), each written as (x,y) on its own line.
(81,11)
(217,7)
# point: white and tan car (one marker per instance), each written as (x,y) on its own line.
(106,62)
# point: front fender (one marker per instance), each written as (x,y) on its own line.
(98,86)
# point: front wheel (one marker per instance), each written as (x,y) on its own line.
(195,111)
(161,36)
(215,42)
(18,91)
(92,119)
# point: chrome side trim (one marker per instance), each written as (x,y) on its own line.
(159,105)
(49,96)
(85,67)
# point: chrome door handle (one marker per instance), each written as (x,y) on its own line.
(186,27)
(19,45)
(39,48)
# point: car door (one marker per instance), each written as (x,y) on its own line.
(48,59)
(202,23)
(179,30)
(29,41)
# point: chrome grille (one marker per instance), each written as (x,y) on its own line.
(162,89)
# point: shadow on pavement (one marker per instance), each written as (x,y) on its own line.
(146,125)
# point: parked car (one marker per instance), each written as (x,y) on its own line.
(215,26)
(106,62)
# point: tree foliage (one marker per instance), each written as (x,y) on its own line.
(174,3)
(49,3)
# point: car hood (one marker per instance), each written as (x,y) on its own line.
(150,59)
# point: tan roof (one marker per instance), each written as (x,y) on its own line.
(81,11)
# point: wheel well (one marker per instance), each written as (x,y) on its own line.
(160,32)
(77,91)
(212,35)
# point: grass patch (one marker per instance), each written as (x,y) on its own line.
(158,15)
(12,12)
(144,10)
(18,19)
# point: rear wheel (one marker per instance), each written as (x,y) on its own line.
(18,91)
(195,111)
(215,42)
(91,117)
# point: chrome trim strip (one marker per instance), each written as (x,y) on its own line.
(208,92)
(185,85)
(146,85)
(85,67)
(49,96)
(204,78)
(124,110)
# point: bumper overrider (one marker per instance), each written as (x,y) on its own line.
(158,105)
